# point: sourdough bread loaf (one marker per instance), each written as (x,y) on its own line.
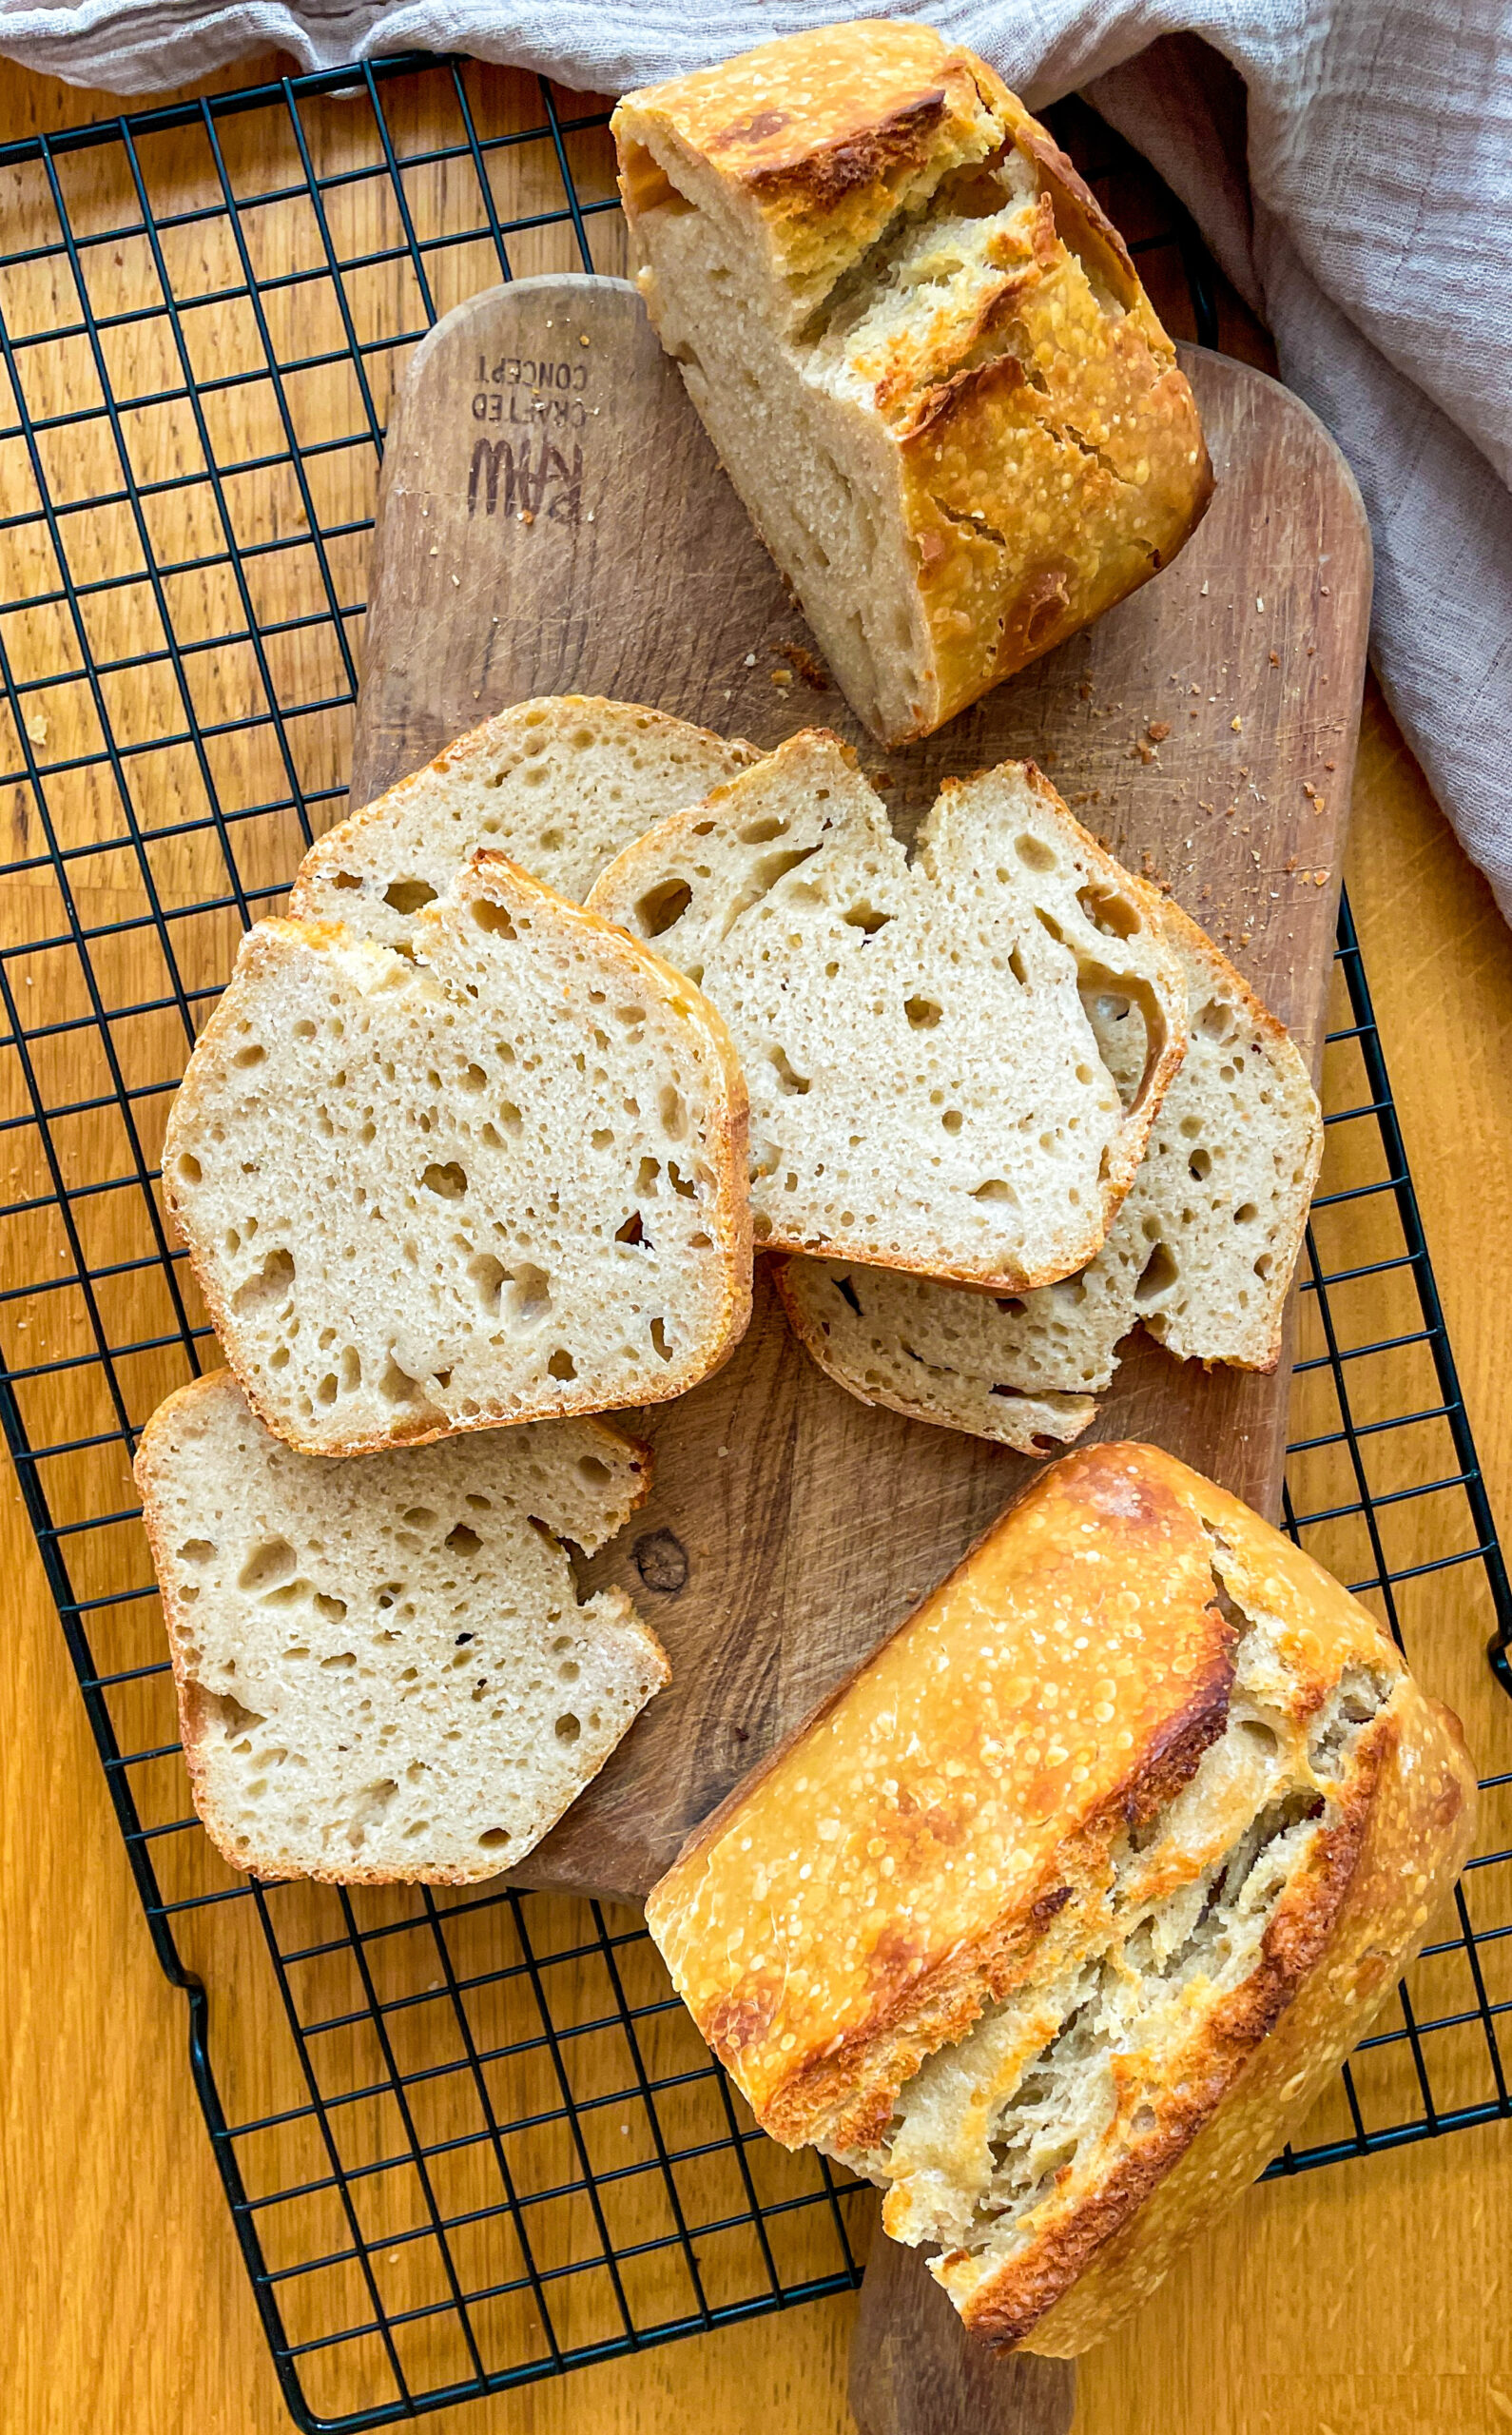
(1057,1916)
(920,350)
(558,785)
(1202,1251)
(494,1177)
(926,1083)
(383,1667)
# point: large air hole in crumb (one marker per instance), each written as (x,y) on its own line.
(269,1286)
(561,1364)
(495,921)
(197,1551)
(408,895)
(864,916)
(1034,854)
(268,1564)
(922,1013)
(661,906)
(187,1169)
(530,1296)
(397,1386)
(487,1274)
(461,1541)
(568,1728)
(1158,1277)
(793,1084)
(1114,914)
(447,1182)
(492,1838)
(659,1338)
(631,1231)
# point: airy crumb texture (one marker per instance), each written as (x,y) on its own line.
(498,1177)
(560,786)
(926,1086)
(1202,1251)
(920,350)
(384,1671)
(1054,1918)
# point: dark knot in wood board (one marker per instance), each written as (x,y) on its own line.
(661,1560)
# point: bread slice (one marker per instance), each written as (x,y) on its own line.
(384,1670)
(499,1177)
(926,1087)
(559,785)
(1057,1916)
(922,350)
(1202,1251)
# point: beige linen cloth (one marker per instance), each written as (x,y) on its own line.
(1349,161)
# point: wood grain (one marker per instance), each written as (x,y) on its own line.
(1361,2301)
(551,520)
(915,2370)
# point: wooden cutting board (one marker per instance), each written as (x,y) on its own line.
(551,520)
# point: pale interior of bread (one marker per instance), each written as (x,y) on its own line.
(792,410)
(474,1184)
(926,1088)
(1000,2138)
(386,1669)
(559,785)
(1202,1250)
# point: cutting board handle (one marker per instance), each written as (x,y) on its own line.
(915,2370)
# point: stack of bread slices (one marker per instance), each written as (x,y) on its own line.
(481,1139)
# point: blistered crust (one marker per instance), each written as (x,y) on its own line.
(1335,1950)
(825,134)
(857,1905)
(1043,450)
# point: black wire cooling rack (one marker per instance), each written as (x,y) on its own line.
(490,2147)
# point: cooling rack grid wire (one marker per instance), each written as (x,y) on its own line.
(489,2146)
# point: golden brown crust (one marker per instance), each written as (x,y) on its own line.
(1410,1831)
(1002,2309)
(822,130)
(1152,1645)
(1395,1826)
(1049,452)
(728,1150)
(993,1805)
(193,1700)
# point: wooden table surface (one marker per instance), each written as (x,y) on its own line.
(1364,2300)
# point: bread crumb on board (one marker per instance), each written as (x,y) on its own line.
(805,666)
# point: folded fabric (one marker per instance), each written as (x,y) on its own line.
(1377,136)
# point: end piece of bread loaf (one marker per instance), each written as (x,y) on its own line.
(1055,1917)
(925,1081)
(920,350)
(499,1177)
(1202,1251)
(383,1667)
(560,786)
